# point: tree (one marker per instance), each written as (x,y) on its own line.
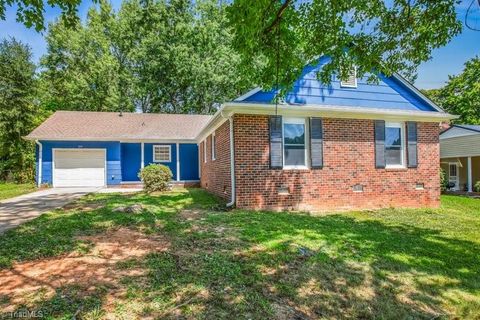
(461,94)
(18,113)
(183,58)
(386,36)
(80,70)
(154,56)
(31,13)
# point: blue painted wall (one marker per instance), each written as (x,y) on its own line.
(388,93)
(124,159)
(189,161)
(148,158)
(131,161)
(114,171)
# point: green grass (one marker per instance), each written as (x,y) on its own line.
(386,264)
(10,190)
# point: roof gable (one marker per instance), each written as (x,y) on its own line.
(392,93)
(458,130)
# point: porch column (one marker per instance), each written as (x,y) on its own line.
(142,162)
(469,172)
(178,163)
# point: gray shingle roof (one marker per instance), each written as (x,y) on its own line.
(469,126)
(79,125)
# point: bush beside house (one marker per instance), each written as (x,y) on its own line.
(155,177)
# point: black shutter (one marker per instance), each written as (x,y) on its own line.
(412,144)
(316,143)
(276,152)
(379,144)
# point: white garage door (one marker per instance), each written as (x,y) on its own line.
(79,168)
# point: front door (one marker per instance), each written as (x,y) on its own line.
(453,175)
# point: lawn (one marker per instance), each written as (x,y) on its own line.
(183,257)
(10,190)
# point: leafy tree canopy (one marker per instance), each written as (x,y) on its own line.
(461,94)
(31,13)
(156,56)
(18,113)
(388,36)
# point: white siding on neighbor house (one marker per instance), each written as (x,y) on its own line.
(457,132)
(466,146)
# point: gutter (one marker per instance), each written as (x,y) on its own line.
(40,155)
(232,164)
(340,112)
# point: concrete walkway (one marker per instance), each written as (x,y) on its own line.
(18,210)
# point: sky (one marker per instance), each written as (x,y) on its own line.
(448,60)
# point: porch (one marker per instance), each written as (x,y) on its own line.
(463,172)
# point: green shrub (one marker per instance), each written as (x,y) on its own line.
(443,180)
(476,186)
(155,177)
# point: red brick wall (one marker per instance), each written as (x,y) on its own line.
(349,159)
(215,174)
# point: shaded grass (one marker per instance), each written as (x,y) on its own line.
(10,190)
(388,264)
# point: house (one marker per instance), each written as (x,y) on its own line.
(109,148)
(460,156)
(349,144)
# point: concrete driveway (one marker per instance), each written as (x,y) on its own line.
(18,210)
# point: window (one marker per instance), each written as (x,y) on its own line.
(351,82)
(453,170)
(294,147)
(162,153)
(213,146)
(205,151)
(394,145)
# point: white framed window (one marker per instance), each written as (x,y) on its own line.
(213,147)
(351,81)
(162,153)
(394,145)
(205,150)
(294,132)
(453,176)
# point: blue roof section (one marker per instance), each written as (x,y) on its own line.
(387,93)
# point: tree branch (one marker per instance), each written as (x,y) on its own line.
(278,16)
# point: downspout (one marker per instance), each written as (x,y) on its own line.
(232,164)
(40,153)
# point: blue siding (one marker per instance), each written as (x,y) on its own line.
(131,161)
(114,172)
(188,161)
(388,93)
(148,158)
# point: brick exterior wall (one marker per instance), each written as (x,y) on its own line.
(349,159)
(215,174)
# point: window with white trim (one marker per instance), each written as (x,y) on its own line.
(213,147)
(162,153)
(394,144)
(294,143)
(205,150)
(351,81)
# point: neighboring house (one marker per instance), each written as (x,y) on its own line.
(350,144)
(460,155)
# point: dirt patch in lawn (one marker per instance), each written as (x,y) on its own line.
(89,270)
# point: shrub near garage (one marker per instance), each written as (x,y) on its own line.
(155,177)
